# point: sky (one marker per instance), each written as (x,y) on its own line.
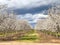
(31,10)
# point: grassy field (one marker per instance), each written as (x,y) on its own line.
(29,36)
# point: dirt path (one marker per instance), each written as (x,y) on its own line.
(23,43)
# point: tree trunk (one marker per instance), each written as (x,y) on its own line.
(58,30)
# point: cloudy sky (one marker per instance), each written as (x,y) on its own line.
(32,10)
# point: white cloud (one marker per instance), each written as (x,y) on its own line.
(32,18)
(27,3)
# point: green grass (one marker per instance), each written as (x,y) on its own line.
(30,35)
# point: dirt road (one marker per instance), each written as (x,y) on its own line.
(23,43)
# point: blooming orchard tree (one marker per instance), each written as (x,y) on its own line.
(54,14)
(52,22)
(9,21)
(41,24)
(23,25)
